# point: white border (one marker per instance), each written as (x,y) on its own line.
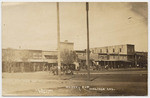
(80,1)
(74,0)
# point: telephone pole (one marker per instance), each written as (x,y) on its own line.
(58,40)
(87,51)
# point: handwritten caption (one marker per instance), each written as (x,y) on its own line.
(90,88)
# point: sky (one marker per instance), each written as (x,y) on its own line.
(33,25)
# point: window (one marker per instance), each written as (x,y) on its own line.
(113,57)
(120,49)
(107,50)
(51,56)
(113,50)
(37,55)
(100,50)
(95,50)
(132,50)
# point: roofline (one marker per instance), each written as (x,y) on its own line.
(67,42)
(140,52)
(29,50)
(113,45)
(48,51)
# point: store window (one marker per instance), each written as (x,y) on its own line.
(120,50)
(107,50)
(113,50)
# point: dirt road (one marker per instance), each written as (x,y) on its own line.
(101,84)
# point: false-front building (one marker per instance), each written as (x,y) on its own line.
(114,56)
(25,60)
(20,60)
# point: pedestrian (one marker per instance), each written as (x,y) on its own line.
(106,67)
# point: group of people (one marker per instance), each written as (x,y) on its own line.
(65,69)
(99,67)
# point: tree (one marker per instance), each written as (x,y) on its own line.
(8,57)
(68,58)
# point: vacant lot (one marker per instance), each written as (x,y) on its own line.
(103,83)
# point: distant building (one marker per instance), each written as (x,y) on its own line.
(114,56)
(24,60)
(81,54)
(117,56)
(16,60)
(141,59)
(66,46)
(50,57)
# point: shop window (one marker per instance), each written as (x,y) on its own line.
(100,50)
(107,50)
(113,50)
(120,50)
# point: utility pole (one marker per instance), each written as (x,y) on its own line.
(87,51)
(58,39)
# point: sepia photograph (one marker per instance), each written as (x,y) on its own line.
(74,48)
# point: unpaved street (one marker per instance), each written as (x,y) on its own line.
(106,83)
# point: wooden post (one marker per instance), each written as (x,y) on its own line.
(87,51)
(58,39)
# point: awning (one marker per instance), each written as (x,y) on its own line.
(114,60)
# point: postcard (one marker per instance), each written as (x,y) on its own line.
(74,48)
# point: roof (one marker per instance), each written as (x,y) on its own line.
(113,46)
